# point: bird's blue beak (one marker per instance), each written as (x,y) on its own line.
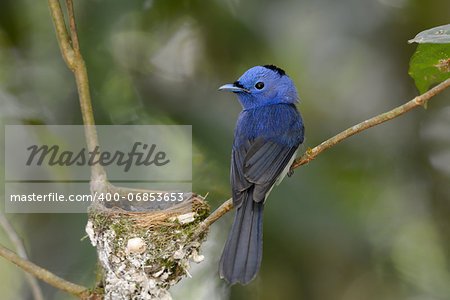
(231,87)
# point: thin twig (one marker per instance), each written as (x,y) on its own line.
(400,110)
(213,217)
(20,248)
(44,275)
(73,28)
(312,153)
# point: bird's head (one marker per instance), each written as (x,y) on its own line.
(263,85)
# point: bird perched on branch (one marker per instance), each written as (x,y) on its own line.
(268,133)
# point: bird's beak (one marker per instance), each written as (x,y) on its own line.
(233,88)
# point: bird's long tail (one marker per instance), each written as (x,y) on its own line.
(241,257)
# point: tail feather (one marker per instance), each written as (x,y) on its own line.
(241,257)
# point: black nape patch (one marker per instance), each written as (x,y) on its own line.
(280,72)
(238,84)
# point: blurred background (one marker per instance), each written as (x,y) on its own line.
(368,219)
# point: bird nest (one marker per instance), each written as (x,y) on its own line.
(143,253)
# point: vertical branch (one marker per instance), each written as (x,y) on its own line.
(61,32)
(73,28)
(70,49)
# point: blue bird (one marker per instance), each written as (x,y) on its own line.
(268,133)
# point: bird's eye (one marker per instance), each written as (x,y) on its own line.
(259,85)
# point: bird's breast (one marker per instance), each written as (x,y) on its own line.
(280,123)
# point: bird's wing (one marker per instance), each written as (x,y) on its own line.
(258,162)
(265,160)
(238,180)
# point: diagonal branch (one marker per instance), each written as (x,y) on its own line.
(398,111)
(213,217)
(312,153)
(44,275)
(20,248)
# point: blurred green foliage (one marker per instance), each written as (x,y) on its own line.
(368,219)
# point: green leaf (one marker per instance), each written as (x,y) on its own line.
(430,64)
(436,35)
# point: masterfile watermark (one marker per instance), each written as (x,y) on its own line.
(53,156)
(75,197)
(48,167)
(96,196)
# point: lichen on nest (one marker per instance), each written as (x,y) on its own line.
(142,254)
